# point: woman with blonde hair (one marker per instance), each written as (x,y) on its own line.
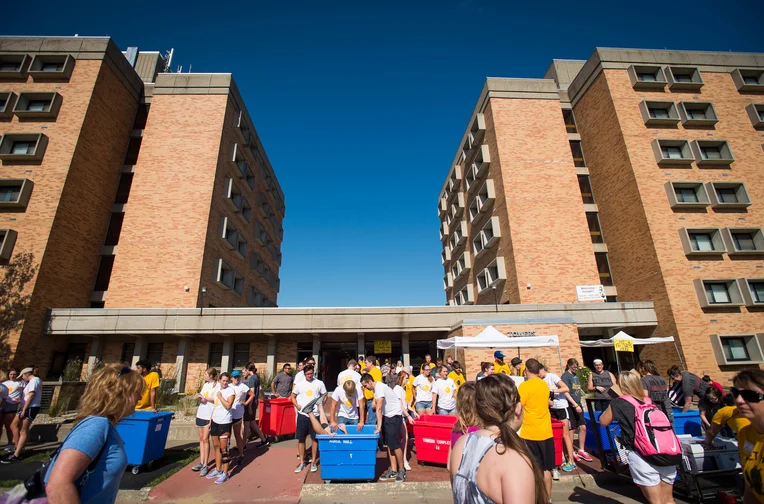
(656,482)
(206,398)
(409,413)
(494,464)
(93,446)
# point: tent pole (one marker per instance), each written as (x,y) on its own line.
(617,362)
(562,368)
(679,355)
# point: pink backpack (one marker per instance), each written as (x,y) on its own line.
(654,438)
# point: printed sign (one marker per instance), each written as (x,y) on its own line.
(521,334)
(590,292)
(623,345)
(383,347)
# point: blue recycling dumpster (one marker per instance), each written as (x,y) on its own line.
(145,435)
(351,456)
(591,442)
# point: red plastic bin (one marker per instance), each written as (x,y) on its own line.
(432,436)
(277,417)
(557,435)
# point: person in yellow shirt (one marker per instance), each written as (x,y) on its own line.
(148,400)
(727,416)
(517,366)
(748,391)
(410,387)
(499,366)
(537,422)
(362,364)
(427,362)
(456,374)
(373,370)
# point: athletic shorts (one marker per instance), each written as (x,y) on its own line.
(347,421)
(201,422)
(575,418)
(391,429)
(219,429)
(304,428)
(560,414)
(235,421)
(31,413)
(542,452)
(648,475)
(9,409)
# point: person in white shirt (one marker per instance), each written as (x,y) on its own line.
(10,406)
(242,399)
(346,407)
(444,393)
(307,397)
(31,398)
(423,388)
(220,428)
(388,405)
(300,376)
(206,398)
(559,411)
(350,374)
(409,413)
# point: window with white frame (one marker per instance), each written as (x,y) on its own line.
(487,236)
(225,275)
(491,274)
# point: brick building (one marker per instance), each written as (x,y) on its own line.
(636,170)
(132,188)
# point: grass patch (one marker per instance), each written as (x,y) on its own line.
(9,483)
(42,456)
(181,458)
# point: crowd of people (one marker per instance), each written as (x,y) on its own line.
(502,447)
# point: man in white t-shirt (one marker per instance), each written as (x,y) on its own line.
(350,374)
(390,423)
(300,376)
(307,397)
(559,411)
(348,406)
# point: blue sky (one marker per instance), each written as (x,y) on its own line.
(361,105)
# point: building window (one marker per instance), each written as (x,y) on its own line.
(570,121)
(594,227)
(154,353)
(686,194)
(646,77)
(745,241)
(757,291)
(104,273)
(717,293)
(13,65)
(659,113)
(486,237)
(51,66)
(603,267)
(684,78)
(126,357)
(215,358)
(491,275)
(753,291)
(465,296)
(670,152)
(701,242)
(756,114)
(22,147)
(712,152)
(586,189)
(10,193)
(735,349)
(485,197)
(728,195)
(697,114)
(458,236)
(578,153)
(461,265)
(240,355)
(748,80)
(7,242)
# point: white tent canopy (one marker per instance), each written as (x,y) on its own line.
(623,336)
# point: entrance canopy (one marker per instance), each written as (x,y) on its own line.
(490,337)
(623,336)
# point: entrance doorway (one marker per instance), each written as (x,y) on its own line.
(334,359)
(393,356)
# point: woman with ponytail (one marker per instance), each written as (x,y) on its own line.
(493,465)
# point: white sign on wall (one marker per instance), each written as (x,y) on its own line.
(590,292)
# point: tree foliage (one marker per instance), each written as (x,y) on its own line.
(14,301)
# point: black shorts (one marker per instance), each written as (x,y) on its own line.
(575,418)
(9,409)
(304,428)
(200,422)
(560,414)
(235,421)
(391,429)
(219,430)
(542,452)
(31,413)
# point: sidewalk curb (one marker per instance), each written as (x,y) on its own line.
(391,488)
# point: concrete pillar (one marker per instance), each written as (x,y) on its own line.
(181,364)
(361,345)
(226,361)
(139,351)
(270,363)
(405,349)
(316,351)
(96,351)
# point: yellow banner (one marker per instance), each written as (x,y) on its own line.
(622,345)
(383,347)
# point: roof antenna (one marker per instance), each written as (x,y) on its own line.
(168,60)
(189,67)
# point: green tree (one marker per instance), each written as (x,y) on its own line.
(13,301)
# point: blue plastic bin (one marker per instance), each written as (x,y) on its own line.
(590,442)
(687,423)
(145,435)
(351,456)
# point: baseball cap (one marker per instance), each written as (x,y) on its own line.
(498,354)
(235,373)
(25,371)
(516,361)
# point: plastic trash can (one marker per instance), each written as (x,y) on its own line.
(277,417)
(432,436)
(145,435)
(557,431)
(687,423)
(591,442)
(351,456)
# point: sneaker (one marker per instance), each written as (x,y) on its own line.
(401,477)
(568,466)
(406,466)
(263,443)
(555,474)
(8,448)
(389,475)
(584,455)
(576,456)
(204,471)
(11,459)
(309,407)
(313,468)
(221,479)
(213,474)
(300,467)
(197,467)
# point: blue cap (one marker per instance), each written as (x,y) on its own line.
(497,354)
(235,373)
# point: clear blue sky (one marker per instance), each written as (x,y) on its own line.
(361,105)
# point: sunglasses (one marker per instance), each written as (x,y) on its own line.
(749,396)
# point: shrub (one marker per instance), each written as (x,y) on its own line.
(73,370)
(188,405)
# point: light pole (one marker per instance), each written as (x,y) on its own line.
(495,300)
(204,293)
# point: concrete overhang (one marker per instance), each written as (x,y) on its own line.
(189,321)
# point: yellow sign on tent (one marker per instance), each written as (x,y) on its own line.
(383,347)
(623,345)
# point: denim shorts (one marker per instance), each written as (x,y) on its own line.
(420,405)
(442,411)
(347,421)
